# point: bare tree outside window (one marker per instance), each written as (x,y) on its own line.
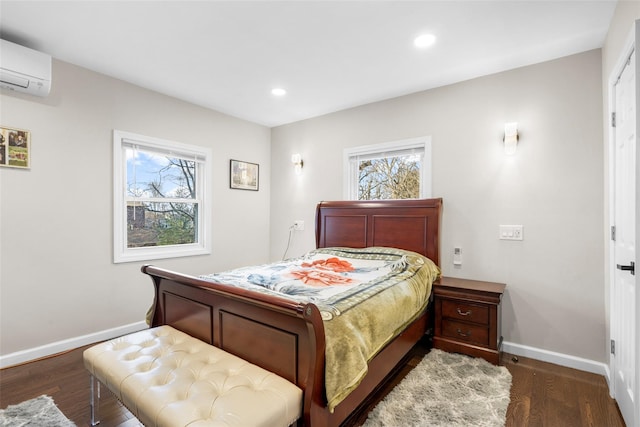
(388,170)
(166,212)
(395,177)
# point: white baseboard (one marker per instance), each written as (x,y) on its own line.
(69,344)
(557,358)
(23,356)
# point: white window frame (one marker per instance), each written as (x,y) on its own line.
(203,156)
(350,190)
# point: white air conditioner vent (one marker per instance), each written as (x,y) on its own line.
(24,70)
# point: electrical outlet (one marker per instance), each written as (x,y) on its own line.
(298,225)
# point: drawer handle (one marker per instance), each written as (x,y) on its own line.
(466,313)
(462,334)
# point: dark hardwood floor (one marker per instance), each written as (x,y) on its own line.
(542,394)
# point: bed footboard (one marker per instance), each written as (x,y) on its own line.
(276,334)
(279,335)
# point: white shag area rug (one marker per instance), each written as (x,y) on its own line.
(449,390)
(39,412)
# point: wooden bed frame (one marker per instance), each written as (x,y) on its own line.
(287,338)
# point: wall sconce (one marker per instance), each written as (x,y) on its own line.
(296,159)
(510,138)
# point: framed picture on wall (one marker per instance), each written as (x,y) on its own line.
(15,147)
(244,175)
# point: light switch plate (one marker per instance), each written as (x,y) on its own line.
(511,232)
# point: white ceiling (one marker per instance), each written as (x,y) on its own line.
(328,55)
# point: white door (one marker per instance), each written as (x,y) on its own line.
(624,302)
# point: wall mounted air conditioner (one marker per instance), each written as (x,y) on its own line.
(24,70)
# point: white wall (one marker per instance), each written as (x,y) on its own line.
(57,279)
(553,186)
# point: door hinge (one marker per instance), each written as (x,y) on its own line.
(613,347)
(613,233)
(613,119)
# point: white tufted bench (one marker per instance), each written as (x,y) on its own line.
(167,378)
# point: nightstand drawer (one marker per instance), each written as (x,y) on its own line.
(467,312)
(465,332)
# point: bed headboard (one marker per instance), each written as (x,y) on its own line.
(412,224)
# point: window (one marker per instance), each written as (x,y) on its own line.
(159,198)
(391,170)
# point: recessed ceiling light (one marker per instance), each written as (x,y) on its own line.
(278,91)
(425,40)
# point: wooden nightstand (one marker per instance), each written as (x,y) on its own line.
(467,317)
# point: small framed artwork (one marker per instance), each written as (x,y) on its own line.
(15,147)
(244,175)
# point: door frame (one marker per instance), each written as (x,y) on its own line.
(632,42)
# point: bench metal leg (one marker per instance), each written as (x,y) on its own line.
(95,403)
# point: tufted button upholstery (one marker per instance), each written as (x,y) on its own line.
(170,379)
